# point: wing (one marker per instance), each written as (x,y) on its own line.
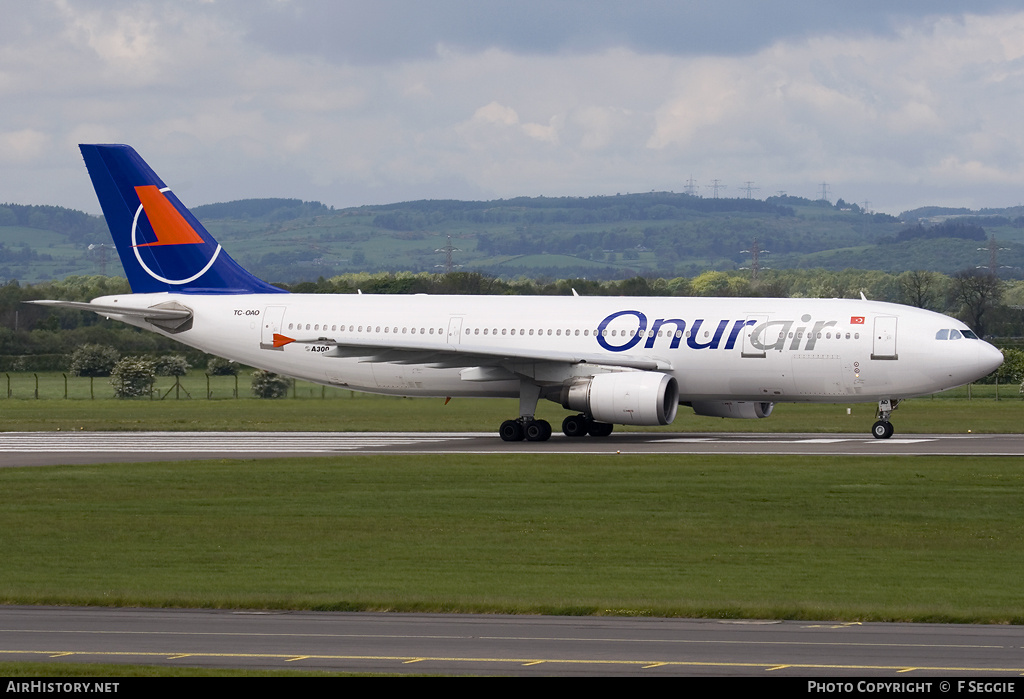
(406,352)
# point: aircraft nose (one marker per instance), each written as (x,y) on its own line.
(989,358)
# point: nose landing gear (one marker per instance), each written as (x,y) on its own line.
(883,429)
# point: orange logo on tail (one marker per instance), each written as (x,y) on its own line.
(168,225)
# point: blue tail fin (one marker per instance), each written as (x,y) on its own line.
(163,247)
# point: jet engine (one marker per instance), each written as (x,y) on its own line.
(744,410)
(625,397)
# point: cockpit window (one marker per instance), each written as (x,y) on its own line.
(954,334)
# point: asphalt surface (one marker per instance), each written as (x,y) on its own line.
(507,645)
(52,448)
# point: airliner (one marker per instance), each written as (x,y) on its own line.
(608,360)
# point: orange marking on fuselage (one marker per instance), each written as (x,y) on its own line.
(169,225)
(282,340)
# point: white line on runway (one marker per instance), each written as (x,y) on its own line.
(216,442)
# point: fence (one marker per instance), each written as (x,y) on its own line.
(194,386)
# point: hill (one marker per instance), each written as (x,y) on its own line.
(609,237)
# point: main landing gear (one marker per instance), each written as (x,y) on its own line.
(525,428)
(883,429)
(581,426)
(533,430)
(540,430)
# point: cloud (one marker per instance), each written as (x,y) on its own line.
(22,146)
(352,102)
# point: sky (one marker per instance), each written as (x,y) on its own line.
(891,105)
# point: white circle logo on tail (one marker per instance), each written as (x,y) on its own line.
(161,213)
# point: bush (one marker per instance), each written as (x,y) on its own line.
(1012,368)
(266,384)
(133,377)
(172,365)
(94,360)
(218,366)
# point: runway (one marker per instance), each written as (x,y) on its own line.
(453,644)
(52,448)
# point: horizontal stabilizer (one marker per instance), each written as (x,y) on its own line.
(170,316)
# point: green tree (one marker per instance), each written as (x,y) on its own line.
(1012,368)
(266,384)
(977,293)
(218,366)
(133,377)
(93,360)
(920,288)
(172,365)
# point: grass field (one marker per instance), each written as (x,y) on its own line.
(319,408)
(924,539)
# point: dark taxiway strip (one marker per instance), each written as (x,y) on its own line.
(52,448)
(507,645)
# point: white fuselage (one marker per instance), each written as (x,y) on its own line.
(743,349)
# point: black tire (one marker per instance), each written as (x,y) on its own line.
(538,431)
(600,429)
(511,431)
(575,426)
(882,429)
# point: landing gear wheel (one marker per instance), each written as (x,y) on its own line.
(882,429)
(511,431)
(538,431)
(575,426)
(600,429)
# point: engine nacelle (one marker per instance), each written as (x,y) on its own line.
(743,410)
(625,397)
